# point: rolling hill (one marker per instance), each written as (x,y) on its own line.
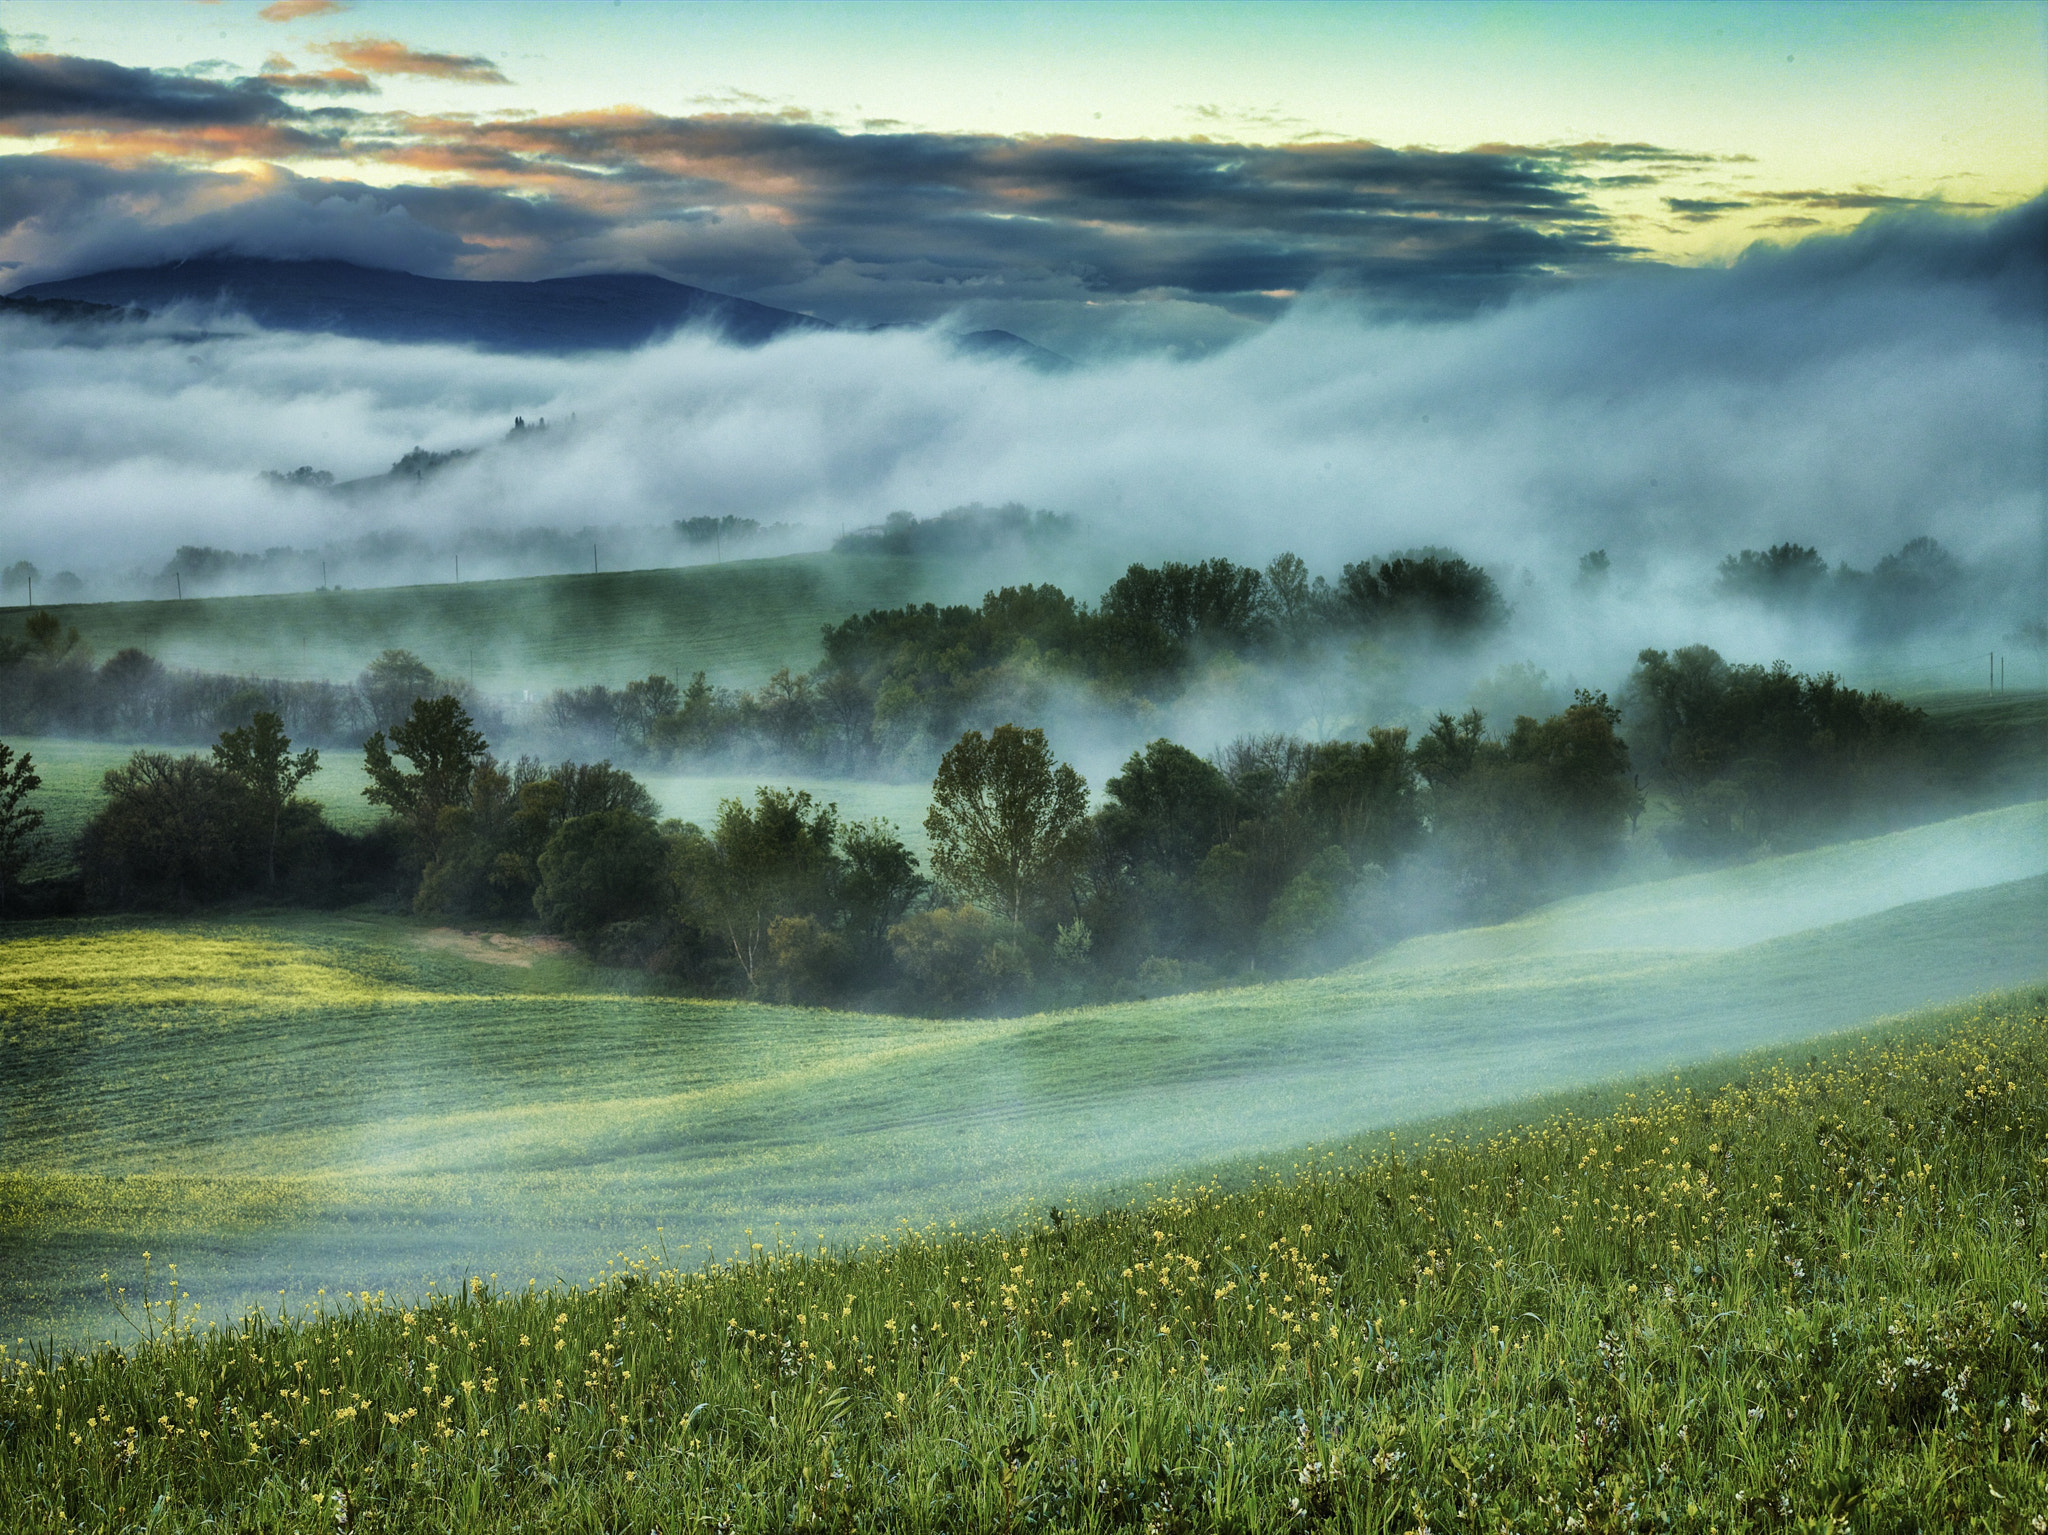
(736,621)
(307,1100)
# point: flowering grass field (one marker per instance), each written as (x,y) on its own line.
(1785,1295)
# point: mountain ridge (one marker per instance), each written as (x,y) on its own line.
(595,312)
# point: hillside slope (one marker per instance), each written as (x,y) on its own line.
(320,1100)
(736,621)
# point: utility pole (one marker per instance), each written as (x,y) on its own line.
(175,576)
(458,568)
(593,559)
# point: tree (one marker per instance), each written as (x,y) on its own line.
(173,830)
(259,757)
(20,824)
(1781,573)
(444,746)
(1167,809)
(1515,819)
(21,576)
(1008,825)
(1299,606)
(775,860)
(1428,588)
(589,787)
(600,869)
(393,682)
(962,959)
(880,882)
(1361,795)
(642,704)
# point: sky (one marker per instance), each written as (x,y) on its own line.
(1164,173)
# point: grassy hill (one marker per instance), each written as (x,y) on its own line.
(736,621)
(303,1100)
(1769,1298)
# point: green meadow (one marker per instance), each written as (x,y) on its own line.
(1772,1294)
(284,1103)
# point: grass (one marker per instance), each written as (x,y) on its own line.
(736,621)
(1769,1297)
(303,1100)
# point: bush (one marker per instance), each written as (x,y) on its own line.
(807,962)
(959,959)
(174,831)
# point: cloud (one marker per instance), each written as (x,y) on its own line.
(39,87)
(1847,392)
(64,214)
(326,82)
(1703,210)
(1700,210)
(913,221)
(298,10)
(387,56)
(280,74)
(1087,244)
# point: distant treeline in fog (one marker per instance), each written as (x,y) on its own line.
(404,556)
(1920,586)
(50,685)
(894,686)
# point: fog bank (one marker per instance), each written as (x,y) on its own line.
(1850,393)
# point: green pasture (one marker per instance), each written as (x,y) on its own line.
(307,1101)
(736,622)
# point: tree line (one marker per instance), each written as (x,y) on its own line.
(51,685)
(1274,855)
(1918,585)
(894,685)
(1277,855)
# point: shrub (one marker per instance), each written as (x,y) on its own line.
(959,959)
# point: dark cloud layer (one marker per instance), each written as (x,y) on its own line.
(54,87)
(1850,392)
(1067,240)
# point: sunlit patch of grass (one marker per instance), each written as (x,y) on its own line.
(1798,1294)
(150,970)
(175,1204)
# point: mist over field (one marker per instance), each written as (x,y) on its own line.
(1851,393)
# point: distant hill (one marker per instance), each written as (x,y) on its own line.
(738,620)
(557,314)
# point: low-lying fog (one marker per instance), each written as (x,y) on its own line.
(1851,394)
